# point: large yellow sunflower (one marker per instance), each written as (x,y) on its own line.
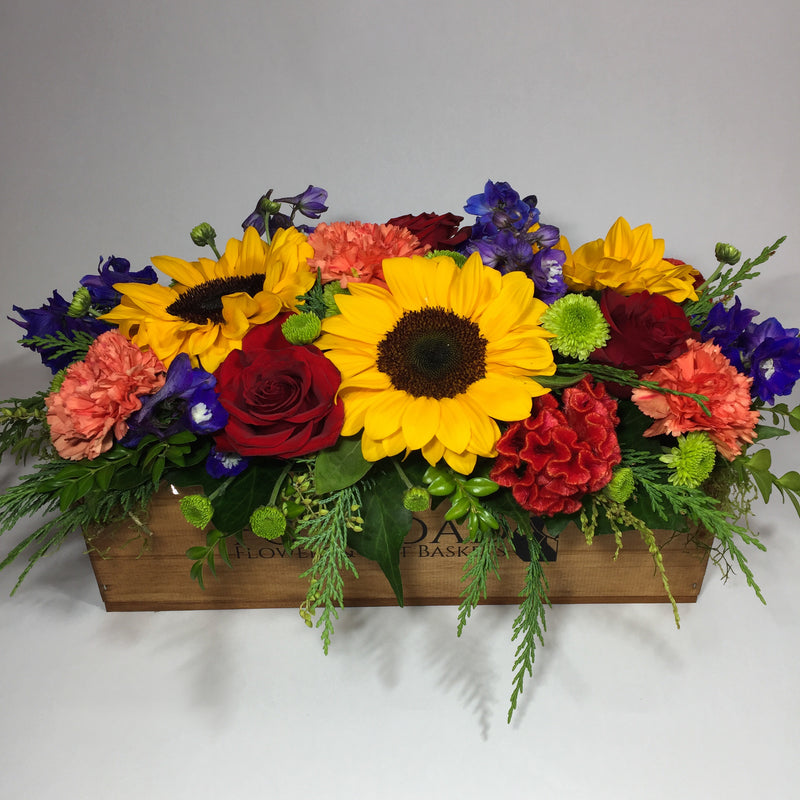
(211,305)
(628,261)
(432,362)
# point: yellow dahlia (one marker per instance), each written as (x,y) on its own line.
(431,362)
(211,305)
(628,261)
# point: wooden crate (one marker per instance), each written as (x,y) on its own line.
(264,575)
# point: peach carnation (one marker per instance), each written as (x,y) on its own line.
(98,394)
(701,370)
(354,251)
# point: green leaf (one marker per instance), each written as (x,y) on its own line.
(763,480)
(386,525)
(769,432)
(196,553)
(340,466)
(251,489)
(790,481)
(760,461)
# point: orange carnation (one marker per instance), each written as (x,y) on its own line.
(98,394)
(701,370)
(354,251)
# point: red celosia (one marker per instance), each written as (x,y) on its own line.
(557,455)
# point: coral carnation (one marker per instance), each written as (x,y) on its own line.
(704,370)
(98,394)
(557,455)
(354,251)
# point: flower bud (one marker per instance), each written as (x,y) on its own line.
(81,302)
(268,522)
(268,206)
(727,253)
(417,499)
(620,488)
(301,328)
(196,509)
(203,234)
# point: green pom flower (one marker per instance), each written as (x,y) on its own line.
(203,234)
(197,510)
(268,522)
(459,258)
(727,253)
(81,303)
(692,460)
(620,487)
(417,499)
(578,324)
(301,328)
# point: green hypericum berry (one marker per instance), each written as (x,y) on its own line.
(727,253)
(692,460)
(203,234)
(578,324)
(459,258)
(620,487)
(268,522)
(301,328)
(417,499)
(197,509)
(81,303)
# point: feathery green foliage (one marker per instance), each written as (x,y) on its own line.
(23,430)
(75,346)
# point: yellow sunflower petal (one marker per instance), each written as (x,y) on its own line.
(420,421)
(503,398)
(179,270)
(384,415)
(460,462)
(433,451)
(454,426)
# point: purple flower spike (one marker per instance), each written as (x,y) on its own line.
(311,203)
(114,270)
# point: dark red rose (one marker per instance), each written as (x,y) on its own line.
(281,398)
(647,330)
(440,231)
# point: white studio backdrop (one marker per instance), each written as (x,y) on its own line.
(124,125)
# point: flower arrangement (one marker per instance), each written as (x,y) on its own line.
(321,384)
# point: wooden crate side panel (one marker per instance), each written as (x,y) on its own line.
(265,575)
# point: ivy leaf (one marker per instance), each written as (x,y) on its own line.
(386,525)
(340,466)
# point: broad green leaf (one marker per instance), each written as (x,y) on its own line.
(760,461)
(763,480)
(790,481)
(251,489)
(769,432)
(386,525)
(340,466)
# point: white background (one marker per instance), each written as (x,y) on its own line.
(122,125)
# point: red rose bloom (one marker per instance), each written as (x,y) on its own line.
(440,231)
(646,330)
(281,398)
(557,455)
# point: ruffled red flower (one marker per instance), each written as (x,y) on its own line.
(438,231)
(559,454)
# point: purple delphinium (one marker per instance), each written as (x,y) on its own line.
(221,464)
(499,207)
(311,203)
(114,270)
(51,319)
(186,401)
(504,241)
(766,352)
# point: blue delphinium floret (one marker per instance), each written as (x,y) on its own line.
(114,270)
(498,207)
(311,203)
(221,464)
(186,401)
(767,352)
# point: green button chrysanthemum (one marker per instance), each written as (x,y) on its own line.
(268,522)
(578,324)
(196,509)
(692,460)
(301,328)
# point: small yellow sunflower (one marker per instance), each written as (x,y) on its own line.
(432,362)
(628,261)
(211,305)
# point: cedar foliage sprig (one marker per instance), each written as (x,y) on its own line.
(59,344)
(529,624)
(481,562)
(324,533)
(23,431)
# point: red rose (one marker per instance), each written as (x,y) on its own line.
(440,231)
(647,330)
(281,398)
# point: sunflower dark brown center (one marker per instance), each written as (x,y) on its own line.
(433,353)
(203,303)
